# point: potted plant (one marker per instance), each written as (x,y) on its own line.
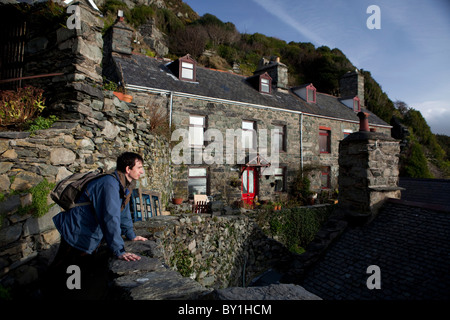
(177,200)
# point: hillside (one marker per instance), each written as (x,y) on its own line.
(219,45)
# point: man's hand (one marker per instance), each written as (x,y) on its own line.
(128,256)
(139,238)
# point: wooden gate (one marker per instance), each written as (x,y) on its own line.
(13,30)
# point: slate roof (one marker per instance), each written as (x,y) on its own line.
(149,72)
(408,240)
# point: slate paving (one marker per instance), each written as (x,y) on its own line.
(410,244)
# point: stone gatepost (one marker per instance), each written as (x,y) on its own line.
(368,172)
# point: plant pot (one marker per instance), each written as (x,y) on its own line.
(127,98)
(123,96)
(119,95)
(177,200)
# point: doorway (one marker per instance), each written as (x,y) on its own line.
(249,184)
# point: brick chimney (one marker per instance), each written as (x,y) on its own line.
(277,71)
(352,85)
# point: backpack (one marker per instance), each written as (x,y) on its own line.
(69,189)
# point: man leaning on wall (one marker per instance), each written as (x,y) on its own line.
(83,228)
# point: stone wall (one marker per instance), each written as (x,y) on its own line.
(216,252)
(109,128)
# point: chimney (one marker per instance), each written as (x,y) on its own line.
(121,35)
(363,121)
(368,173)
(277,71)
(352,85)
(120,15)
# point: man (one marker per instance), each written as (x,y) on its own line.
(107,217)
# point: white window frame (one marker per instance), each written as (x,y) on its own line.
(187,70)
(248,134)
(197,128)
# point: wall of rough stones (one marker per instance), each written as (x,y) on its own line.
(216,251)
(111,128)
(368,173)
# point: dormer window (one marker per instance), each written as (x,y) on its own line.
(356,104)
(187,71)
(261,82)
(265,83)
(311,94)
(184,68)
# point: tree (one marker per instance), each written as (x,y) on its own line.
(191,39)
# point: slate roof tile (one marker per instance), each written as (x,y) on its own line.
(410,244)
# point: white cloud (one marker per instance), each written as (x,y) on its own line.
(437,115)
(277,9)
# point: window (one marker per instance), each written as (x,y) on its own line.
(280,179)
(187,70)
(324,140)
(325,178)
(197,181)
(356,104)
(249,134)
(281,136)
(265,82)
(196,130)
(347,132)
(265,86)
(310,94)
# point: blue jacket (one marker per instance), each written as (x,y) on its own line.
(84,227)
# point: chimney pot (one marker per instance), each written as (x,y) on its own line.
(363,121)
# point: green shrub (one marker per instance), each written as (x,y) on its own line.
(295,227)
(40,123)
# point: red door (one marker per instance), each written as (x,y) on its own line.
(249,185)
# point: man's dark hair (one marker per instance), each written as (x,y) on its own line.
(127,159)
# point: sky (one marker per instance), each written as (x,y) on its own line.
(404,44)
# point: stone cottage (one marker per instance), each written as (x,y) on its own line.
(236,137)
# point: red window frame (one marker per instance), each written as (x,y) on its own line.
(325,131)
(308,88)
(325,172)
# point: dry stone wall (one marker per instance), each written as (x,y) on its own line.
(209,253)
(109,127)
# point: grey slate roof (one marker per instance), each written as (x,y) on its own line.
(149,72)
(408,240)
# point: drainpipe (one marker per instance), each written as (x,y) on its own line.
(170,109)
(301,141)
